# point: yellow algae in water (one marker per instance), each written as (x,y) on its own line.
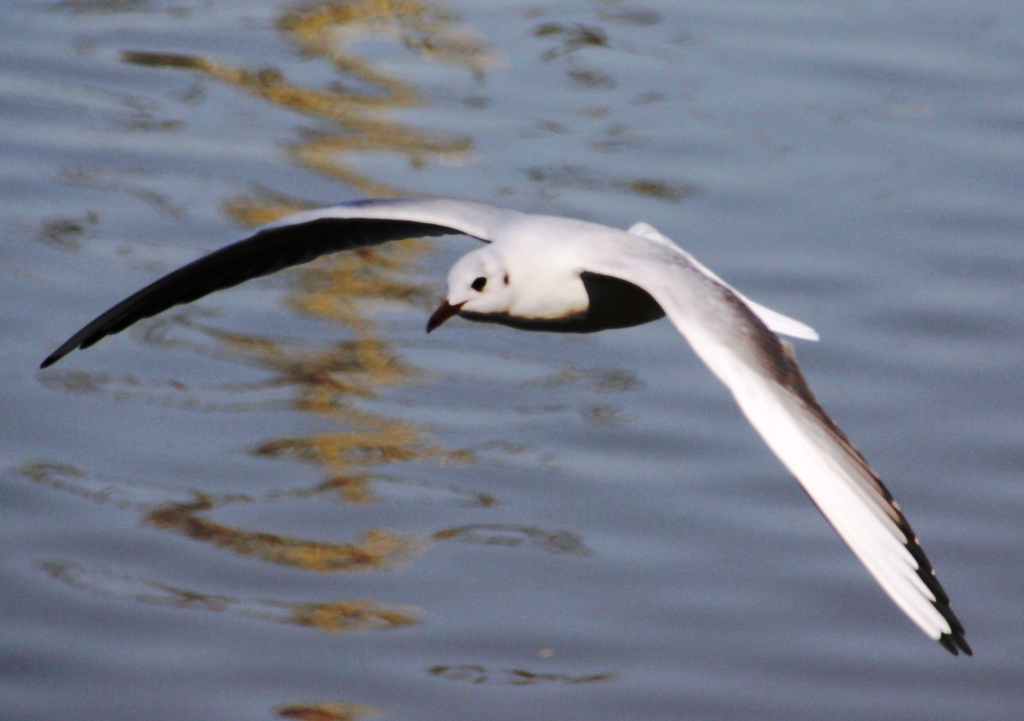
(323,380)
(320,30)
(377,549)
(354,615)
(336,711)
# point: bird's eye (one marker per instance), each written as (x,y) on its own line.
(478,284)
(506,278)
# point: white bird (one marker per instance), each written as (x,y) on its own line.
(558,274)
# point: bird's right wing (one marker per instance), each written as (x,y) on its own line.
(290,241)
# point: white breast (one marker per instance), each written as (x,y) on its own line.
(543,271)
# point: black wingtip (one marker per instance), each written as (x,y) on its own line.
(70,345)
(955,644)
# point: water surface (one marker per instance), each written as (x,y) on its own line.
(286,501)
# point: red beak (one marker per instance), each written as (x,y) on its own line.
(443,313)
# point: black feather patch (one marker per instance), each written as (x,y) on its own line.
(266,252)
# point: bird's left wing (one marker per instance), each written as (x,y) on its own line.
(762,373)
(775,321)
(290,241)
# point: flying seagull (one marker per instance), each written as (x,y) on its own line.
(540,272)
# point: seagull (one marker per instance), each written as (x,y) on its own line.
(547,273)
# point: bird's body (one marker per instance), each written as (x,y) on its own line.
(558,274)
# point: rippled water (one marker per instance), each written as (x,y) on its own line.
(287,502)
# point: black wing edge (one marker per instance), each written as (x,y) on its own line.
(954,642)
(266,252)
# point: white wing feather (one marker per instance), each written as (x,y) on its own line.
(773,319)
(476,219)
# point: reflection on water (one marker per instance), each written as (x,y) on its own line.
(645,534)
(576,177)
(573,38)
(513,677)
(377,549)
(318,380)
(334,617)
(66,233)
(504,534)
(336,711)
(323,30)
(90,179)
(103,6)
(323,381)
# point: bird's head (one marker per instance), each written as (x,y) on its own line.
(479,283)
(528,284)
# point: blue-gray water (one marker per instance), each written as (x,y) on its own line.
(288,502)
